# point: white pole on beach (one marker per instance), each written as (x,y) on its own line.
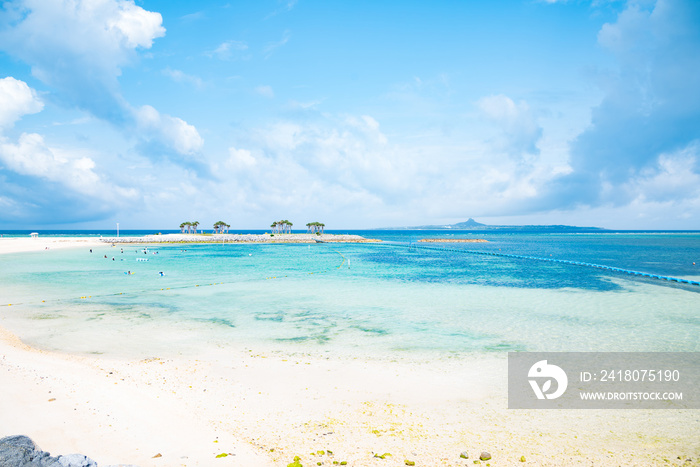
(117,229)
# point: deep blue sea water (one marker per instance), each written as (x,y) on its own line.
(384,298)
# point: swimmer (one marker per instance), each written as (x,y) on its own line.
(161,273)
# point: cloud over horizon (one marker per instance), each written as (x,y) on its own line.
(649,119)
(100,109)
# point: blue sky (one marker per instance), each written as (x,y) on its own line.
(357,114)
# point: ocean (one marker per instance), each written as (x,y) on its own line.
(384,300)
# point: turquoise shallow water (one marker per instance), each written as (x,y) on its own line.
(367,299)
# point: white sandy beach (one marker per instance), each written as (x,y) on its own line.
(24,244)
(264,407)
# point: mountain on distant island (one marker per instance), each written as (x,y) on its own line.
(473,225)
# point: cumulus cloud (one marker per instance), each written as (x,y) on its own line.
(674,176)
(32,157)
(165,129)
(60,179)
(78,47)
(519,131)
(16,99)
(323,165)
(346,163)
(651,108)
(240,159)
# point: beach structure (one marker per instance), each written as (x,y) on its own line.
(34,234)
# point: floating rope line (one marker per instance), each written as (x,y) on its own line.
(553,260)
(177,287)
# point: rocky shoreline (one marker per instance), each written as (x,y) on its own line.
(21,451)
(242,238)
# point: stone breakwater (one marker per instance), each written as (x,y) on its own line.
(453,240)
(241,238)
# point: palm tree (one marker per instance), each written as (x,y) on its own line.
(315,227)
(194,226)
(182,227)
(220,226)
(311,227)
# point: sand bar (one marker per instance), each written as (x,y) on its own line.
(453,240)
(241,238)
(25,244)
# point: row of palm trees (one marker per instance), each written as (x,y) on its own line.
(221,227)
(191,227)
(315,227)
(283,226)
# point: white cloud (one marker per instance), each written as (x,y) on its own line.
(16,99)
(272,46)
(674,178)
(651,107)
(79,48)
(138,26)
(286,5)
(226,49)
(171,131)
(520,131)
(240,158)
(71,43)
(265,91)
(182,77)
(61,178)
(32,157)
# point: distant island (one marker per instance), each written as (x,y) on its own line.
(473,225)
